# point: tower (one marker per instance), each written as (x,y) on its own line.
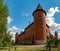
(16,38)
(56,35)
(39,24)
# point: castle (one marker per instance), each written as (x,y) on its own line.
(37,32)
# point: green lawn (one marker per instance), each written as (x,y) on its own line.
(29,48)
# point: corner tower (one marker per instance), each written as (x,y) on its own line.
(56,35)
(39,24)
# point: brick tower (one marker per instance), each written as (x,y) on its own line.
(56,35)
(39,24)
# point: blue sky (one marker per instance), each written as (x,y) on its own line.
(20,13)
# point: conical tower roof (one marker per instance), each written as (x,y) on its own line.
(39,7)
(55,32)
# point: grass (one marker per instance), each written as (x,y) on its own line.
(29,48)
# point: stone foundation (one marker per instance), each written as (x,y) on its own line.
(40,41)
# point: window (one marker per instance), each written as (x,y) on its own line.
(39,15)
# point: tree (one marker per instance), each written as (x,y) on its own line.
(3,23)
(56,42)
(48,46)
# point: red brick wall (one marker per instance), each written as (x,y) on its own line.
(29,33)
(27,36)
(22,38)
(47,32)
(40,25)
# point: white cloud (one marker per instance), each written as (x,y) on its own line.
(50,19)
(13,34)
(25,14)
(54,27)
(59,35)
(23,30)
(13,30)
(52,11)
(9,19)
